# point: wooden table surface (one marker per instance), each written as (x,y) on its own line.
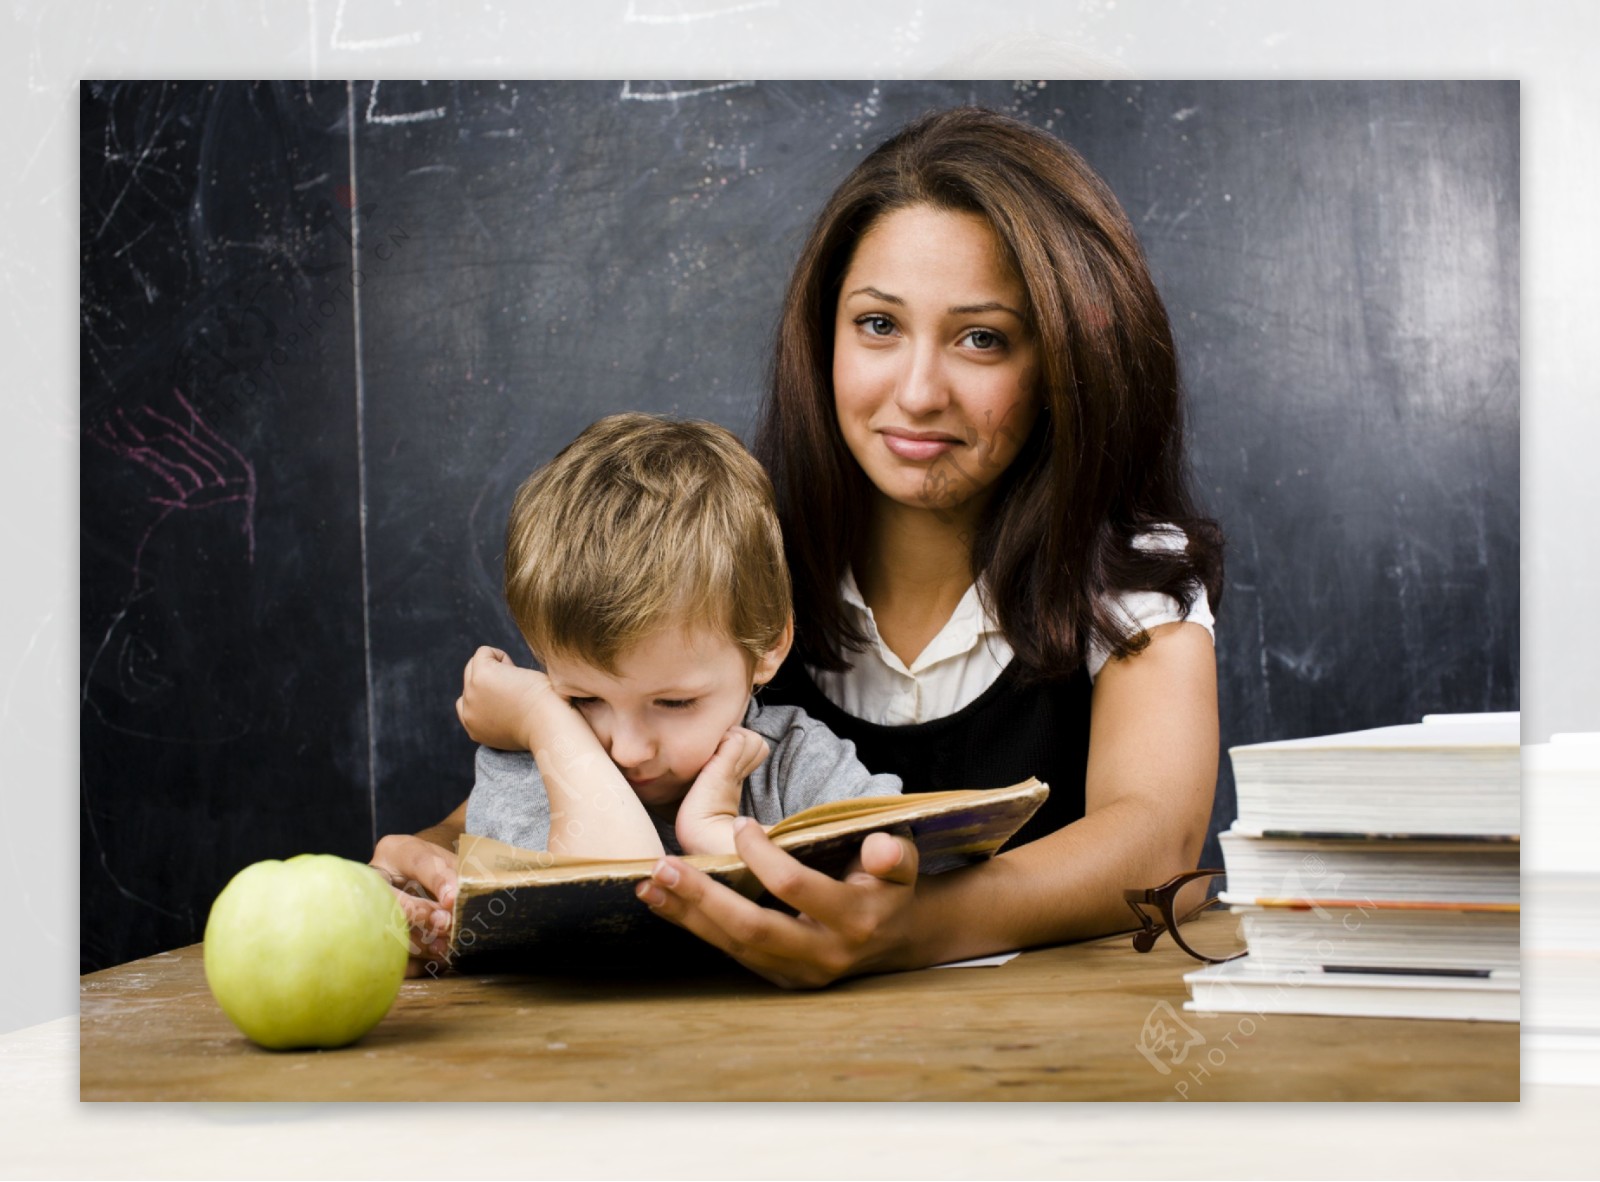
(1059,1023)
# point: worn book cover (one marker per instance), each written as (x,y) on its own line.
(523,909)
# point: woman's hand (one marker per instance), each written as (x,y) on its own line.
(423,876)
(497,696)
(861,924)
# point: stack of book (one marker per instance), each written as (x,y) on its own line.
(1376,873)
(1561,944)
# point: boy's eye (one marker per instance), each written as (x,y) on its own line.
(580,703)
(675,703)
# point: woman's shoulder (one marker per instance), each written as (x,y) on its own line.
(1143,611)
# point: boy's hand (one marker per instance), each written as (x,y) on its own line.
(497,697)
(705,816)
(423,876)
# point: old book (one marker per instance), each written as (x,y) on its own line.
(1482,869)
(521,909)
(1447,776)
(1239,987)
(1381,935)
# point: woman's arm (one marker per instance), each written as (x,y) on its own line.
(422,871)
(1149,783)
(448,831)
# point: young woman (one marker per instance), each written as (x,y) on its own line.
(975,434)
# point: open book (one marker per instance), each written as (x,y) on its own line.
(524,909)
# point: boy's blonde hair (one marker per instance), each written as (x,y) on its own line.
(642,523)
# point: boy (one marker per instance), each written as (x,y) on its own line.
(645,569)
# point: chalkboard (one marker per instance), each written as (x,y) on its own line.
(328,328)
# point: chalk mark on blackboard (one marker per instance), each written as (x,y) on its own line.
(130,243)
(1303,664)
(412,38)
(144,155)
(634,17)
(661,96)
(201,468)
(100,846)
(1261,628)
(407,117)
(361,460)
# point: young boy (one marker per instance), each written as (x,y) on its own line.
(645,569)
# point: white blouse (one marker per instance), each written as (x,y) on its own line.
(967,655)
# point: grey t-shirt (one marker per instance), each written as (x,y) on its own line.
(809,765)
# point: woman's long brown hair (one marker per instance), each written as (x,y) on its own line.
(1104,462)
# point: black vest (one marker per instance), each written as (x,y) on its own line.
(1009,732)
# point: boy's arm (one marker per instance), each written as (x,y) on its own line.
(593,811)
(705,816)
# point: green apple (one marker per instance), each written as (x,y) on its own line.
(306,953)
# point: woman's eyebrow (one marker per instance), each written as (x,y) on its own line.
(957,310)
(991,306)
(877,295)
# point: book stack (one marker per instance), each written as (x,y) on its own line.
(1561,952)
(1376,874)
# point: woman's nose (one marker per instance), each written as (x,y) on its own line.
(924,385)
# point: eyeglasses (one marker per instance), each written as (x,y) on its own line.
(1212,939)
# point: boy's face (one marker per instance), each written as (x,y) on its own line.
(662,714)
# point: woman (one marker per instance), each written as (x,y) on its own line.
(975,435)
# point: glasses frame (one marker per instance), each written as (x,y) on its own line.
(1162,898)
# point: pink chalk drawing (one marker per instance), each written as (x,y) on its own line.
(198,467)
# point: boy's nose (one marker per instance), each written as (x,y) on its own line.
(631,746)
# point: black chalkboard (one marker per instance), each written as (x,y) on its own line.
(327,329)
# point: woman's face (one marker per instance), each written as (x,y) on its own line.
(935,371)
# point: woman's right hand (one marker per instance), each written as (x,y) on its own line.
(497,695)
(861,924)
(423,877)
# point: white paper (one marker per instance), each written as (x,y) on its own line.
(979,962)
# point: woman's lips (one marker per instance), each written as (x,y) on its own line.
(917,447)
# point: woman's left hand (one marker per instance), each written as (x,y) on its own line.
(860,924)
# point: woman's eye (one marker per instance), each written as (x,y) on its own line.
(675,703)
(986,339)
(876,326)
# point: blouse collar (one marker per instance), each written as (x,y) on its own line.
(968,624)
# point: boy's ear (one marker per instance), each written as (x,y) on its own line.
(767,667)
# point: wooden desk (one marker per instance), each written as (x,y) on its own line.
(1055,1024)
